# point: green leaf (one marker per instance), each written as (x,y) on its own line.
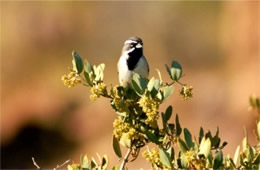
(178,126)
(167,92)
(168,70)
(150,84)
(176,71)
(257,159)
(183,161)
(171,126)
(160,76)
(99,157)
(104,162)
(93,164)
(78,62)
(153,86)
(160,95)
(182,145)
(179,161)
(88,67)
(165,128)
(218,160)
(99,72)
(170,151)
(165,158)
(209,159)
(139,84)
(84,162)
(152,137)
(131,94)
(168,113)
(215,141)
(125,141)
(252,101)
(224,144)
(188,138)
(244,144)
(115,168)
(236,155)
(208,135)
(250,153)
(258,104)
(87,78)
(205,147)
(116,147)
(258,131)
(201,135)
(231,162)
(156,85)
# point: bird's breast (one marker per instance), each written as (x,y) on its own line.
(134,58)
(142,67)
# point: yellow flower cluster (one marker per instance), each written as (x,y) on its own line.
(186,92)
(121,104)
(150,107)
(74,166)
(190,156)
(193,161)
(120,127)
(135,135)
(98,90)
(152,118)
(152,156)
(71,79)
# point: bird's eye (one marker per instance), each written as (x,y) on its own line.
(132,45)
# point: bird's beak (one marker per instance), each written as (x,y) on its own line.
(139,45)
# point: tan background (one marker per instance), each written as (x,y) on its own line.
(217,44)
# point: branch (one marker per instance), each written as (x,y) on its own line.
(35,164)
(59,166)
(122,167)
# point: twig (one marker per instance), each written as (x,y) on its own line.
(59,166)
(169,84)
(122,167)
(84,84)
(135,155)
(179,83)
(35,164)
(107,96)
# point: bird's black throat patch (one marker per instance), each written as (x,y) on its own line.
(134,57)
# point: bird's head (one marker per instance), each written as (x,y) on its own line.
(132,44)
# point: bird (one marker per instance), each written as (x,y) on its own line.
(132,61)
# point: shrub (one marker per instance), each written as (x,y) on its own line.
(136,125)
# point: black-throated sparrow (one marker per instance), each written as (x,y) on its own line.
(132,60)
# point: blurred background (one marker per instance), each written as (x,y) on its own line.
(217,43)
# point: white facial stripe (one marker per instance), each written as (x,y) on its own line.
(130,41)
(139,45)
(129,51)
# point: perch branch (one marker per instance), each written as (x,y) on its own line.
(125,159)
